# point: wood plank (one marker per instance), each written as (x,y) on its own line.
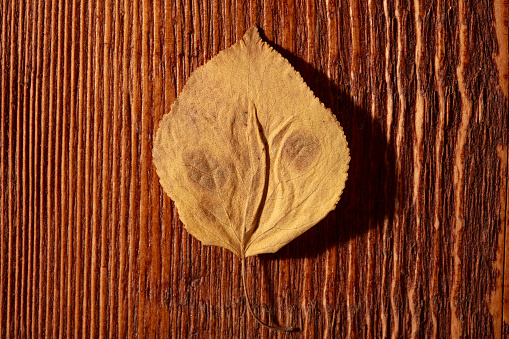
(90,246)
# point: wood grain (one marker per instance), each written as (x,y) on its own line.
(90,246)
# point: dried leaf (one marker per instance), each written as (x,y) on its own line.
(250,156)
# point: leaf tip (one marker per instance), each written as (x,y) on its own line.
(252,35)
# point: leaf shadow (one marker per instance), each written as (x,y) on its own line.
(369,195)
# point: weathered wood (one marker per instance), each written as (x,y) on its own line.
(91,246)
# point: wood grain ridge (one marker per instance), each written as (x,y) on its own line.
(90,246)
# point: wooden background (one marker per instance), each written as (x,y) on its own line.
(91,246)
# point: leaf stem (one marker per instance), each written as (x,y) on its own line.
(284,329)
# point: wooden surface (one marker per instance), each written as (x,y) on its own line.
(90,245)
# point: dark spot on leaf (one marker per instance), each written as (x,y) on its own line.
(300,150)
(205,171)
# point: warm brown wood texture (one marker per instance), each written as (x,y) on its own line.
(90,245)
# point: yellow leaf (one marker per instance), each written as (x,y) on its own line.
(250,156)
